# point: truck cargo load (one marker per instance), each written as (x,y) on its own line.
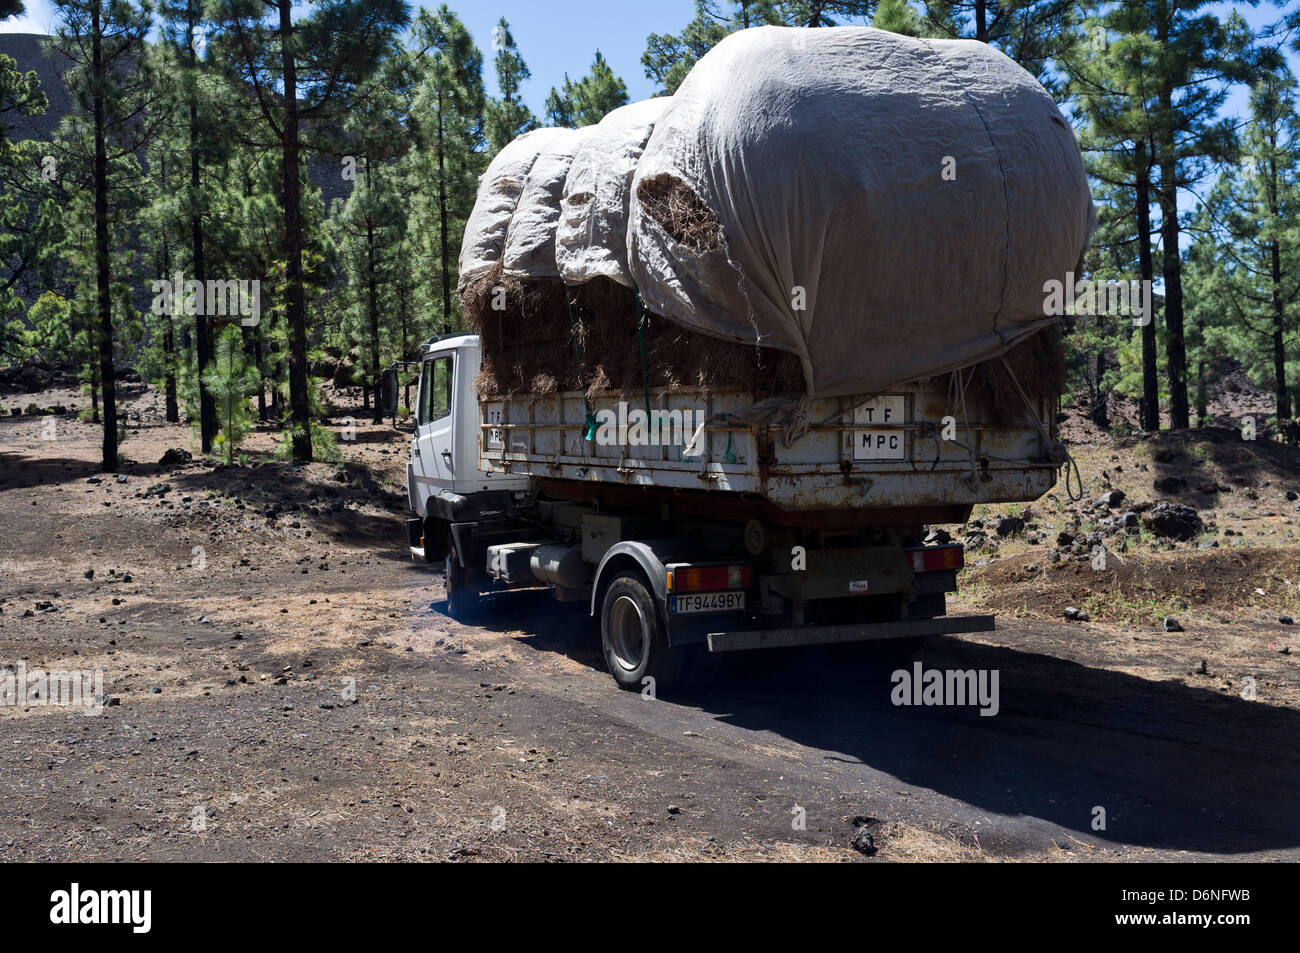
(810,192)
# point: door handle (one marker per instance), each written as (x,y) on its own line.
(446,455)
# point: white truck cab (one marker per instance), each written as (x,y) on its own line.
(444,449)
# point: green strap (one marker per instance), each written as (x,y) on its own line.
(590,418)
(640,333)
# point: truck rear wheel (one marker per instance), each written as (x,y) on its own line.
(464,601)
(633,638)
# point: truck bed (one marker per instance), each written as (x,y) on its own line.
(841,455)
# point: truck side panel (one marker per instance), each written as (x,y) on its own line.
(936,459)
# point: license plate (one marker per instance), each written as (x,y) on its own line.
(880,443)
(708,602)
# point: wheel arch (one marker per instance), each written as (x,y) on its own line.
(648,557)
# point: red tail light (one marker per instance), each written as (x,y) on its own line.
(935,558)
(708,578)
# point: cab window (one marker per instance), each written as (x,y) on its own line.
(435,389)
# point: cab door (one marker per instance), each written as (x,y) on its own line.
(432,463)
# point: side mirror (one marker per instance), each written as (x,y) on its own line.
(388,392)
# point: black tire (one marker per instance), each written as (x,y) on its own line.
(464,601)
(633,638)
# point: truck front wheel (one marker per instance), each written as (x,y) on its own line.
(634,641)
(464,601)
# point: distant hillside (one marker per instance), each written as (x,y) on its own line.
(32,52)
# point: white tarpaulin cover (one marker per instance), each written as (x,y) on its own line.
(591,240)
(822,153)
(530,242)
(889,207)
(492,231)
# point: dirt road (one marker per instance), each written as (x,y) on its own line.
(282,684)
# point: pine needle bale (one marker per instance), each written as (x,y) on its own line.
(1038,363)
(523,328)
(675,356)
(528,344)
(680,212)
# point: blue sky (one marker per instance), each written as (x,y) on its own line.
(559,36)
(554,36)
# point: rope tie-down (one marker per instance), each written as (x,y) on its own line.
(1056,451)
(589,417)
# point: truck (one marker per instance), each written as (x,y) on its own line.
(736,350)
(711,528)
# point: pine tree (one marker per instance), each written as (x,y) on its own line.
(590,99)
(30,223)
(898,16)
(160,360)
(1037,34)
(112,89)
(1103,352)
(1197,53)
(301,70)
(184,31)
(1174,65)
(818,13)
(372,221)
(371,225)
(1117,99)
(1245,266)
(669,57)
(508,116)
(449,153)
(231,381)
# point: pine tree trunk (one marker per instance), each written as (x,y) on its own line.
(299,402)
(1150,383)
(202,328)
(94,392)
(103,277)
(1172,267)
(1202,397)
(261,373)
(277,409)
(1100,412)
(1279,326)
(172,407)
(372,303)
(442,225)
(171,410)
